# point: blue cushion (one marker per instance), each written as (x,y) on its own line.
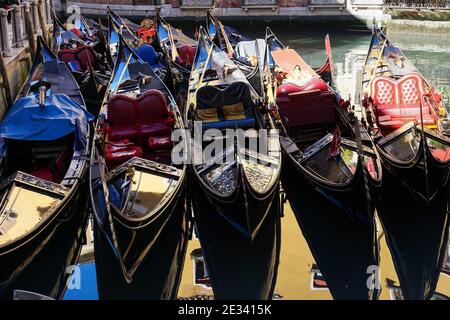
(148,54)
(230,124)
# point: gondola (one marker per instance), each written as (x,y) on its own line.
(144,50)
(331,172)
(218,33)
(235,186)
(45,147)
(88,59)
(407,120)
(324,71)
(137,179)
(179,51)
(215,29)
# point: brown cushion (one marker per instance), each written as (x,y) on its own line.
(207,115)
(234,111)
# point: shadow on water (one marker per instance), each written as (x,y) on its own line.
(343,248)
(238,268)
(48,272)
(158,276)
(416,236)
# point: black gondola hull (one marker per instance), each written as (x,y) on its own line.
(343,246)
(416,234)
(54,239)
(238,268)
(159,274)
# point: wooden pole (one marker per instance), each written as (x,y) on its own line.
(4,74)
(29,30)
(42,21)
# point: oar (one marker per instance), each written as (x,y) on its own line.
(173,48)
(230,49)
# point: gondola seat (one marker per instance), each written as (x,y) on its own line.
(55,171)
(186,54)
(162,143)
(120,151)
(154,116)
(230,108)
(122,118)
(137,119)
(305,106)
(83,55)
(400,101)
(148,54)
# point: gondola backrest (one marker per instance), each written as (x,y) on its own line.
(151,106)
(400,101)
(306,106)
(187,55)
(83,55)
(228,108)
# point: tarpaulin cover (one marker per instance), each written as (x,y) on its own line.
(248,49)
(58,117)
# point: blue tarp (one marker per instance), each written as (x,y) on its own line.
(58,117)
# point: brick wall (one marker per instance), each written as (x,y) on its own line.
(229,3)
(174,3)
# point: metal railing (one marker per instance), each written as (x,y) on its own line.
(260,2)
(13,23)
(326,3)
(418,3)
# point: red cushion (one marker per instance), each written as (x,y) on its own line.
(115,154)
(44,173)
(84,55)
(384,92)
(157,128)
(398,112)
(152,106)
(122,118)
(187,54)
(160,143)
(304,108)
(410,90)
(398,101)
(123,132)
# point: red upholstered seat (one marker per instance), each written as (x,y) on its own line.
(307,105)
(154,116)
(160,143)
(121,151)
(186,54)
(56,173)
(122,118)
(399,101)
(44,173)
(84,55)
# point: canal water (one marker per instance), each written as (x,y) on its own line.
(299,277)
